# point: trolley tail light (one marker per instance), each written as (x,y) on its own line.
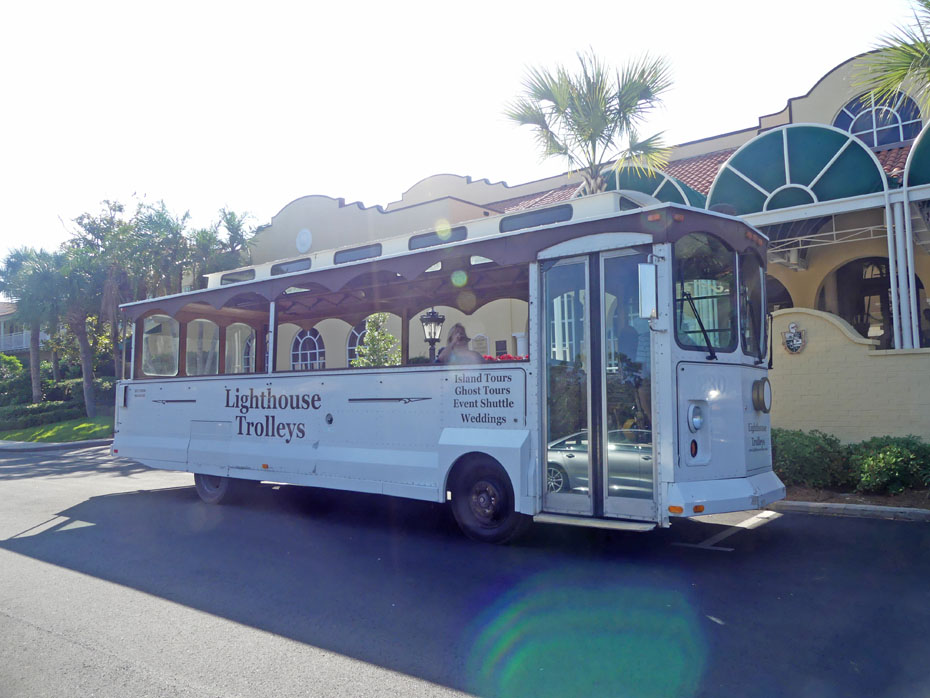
(693,448)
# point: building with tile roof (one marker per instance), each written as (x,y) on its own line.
(839,184)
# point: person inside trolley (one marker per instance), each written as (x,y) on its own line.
(456,350)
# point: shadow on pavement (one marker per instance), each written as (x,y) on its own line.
(393,583)
(78,462)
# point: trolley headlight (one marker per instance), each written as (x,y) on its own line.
(695,417)
(762,395)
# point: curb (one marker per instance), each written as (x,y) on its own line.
(862,511)
(26,446)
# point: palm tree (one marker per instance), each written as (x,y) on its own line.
(29,277)
(109,239)
(163,238)
(82,278)
(592,117)
(238,234)
(902,57)
(205,250)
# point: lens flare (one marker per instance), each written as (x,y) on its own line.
(443,229)
(466,301)
(459,278)
(558,634)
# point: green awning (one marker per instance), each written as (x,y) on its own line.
(796,165)
(917,168)
(663,187)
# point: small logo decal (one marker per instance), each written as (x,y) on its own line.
(795,338)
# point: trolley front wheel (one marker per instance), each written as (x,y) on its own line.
(483,504)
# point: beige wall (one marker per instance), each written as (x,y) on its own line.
(819,105)
(480,191)
(841,385)
(333,224)
(804,286)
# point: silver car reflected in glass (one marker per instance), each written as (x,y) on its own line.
(629,463)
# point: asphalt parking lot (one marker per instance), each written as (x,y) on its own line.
(116,580)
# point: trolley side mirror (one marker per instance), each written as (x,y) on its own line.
(647,291)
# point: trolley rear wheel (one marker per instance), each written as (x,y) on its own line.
(216,489)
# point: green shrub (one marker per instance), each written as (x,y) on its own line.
(891,464)
(23,416)
(104,389)
(67,390)
(811,459)
(9,366)
(37,408)
(16,390)
(72,389)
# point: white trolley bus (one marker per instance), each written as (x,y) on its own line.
(640,393)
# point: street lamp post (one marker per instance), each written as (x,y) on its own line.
(432,328)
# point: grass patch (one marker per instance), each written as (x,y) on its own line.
(64,432)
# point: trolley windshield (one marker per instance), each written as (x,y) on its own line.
(705,293)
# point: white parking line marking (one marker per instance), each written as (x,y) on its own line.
(759,519)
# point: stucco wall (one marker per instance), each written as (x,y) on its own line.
(841,385)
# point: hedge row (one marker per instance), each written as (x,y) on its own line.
(880,465)
(18,390)
(22,417)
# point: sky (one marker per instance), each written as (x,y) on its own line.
(247,105)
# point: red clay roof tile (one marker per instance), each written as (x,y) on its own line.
(699,172)
(521,203)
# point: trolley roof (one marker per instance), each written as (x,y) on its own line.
(507,240)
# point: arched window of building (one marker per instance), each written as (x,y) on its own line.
(307,351)
(880,123)
(860,293)
(356,337)
(776,295)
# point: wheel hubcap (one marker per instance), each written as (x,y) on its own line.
(211,483)
(486,502)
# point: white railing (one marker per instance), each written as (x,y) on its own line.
(17,341)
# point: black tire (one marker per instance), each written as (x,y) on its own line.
(557,479)
(215,489)
(483,503)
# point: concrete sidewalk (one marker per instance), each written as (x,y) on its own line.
(862,511)
(865,511)
(7,446)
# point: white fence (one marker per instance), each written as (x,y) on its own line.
(17,341)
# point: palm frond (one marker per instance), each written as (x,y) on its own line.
(901,59)
(646,156)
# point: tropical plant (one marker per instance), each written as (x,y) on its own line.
(378,347)
(108,239)
(901,58)
(9,366)
(82,279)
(164,245)
(238,234)
(592,117)
(30,277)
(206,252)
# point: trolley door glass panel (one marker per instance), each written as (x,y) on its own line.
(567,384)
(626,351)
